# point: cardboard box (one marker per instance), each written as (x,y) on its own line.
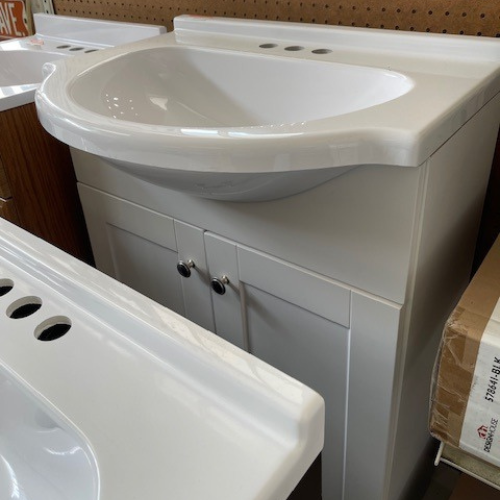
(465,399)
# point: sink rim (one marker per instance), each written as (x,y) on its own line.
(451,82)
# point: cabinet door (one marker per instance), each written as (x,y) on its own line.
(296,321)
(228,310)
(138,247)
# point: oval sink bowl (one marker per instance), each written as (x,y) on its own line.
(212,110)
(39,458)
(185,87)
(23,67)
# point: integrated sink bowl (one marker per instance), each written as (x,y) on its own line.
(221,91)
(40,458)
(57,37)
(234,110)
(22,67)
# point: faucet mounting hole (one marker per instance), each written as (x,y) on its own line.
(22,308)
(53,329)
(5,286)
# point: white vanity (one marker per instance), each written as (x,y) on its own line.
(344,286)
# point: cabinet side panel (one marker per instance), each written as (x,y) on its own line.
(454,194)
(41,180)
(372,376)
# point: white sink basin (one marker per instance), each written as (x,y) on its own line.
(248,110)
(107,395)
(57,37)
(22,67)
(41,458)
(185,87)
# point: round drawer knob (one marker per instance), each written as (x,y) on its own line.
(184,268)
(218,284)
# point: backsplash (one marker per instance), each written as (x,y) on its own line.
(479,17)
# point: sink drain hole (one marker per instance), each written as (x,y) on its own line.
(22,308)
(5,287)
(53,329)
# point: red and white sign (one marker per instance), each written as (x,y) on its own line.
(13,18)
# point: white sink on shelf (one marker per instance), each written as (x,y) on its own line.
(107,395)
(57,37)
(253,110)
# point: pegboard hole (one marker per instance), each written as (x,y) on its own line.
(22,308)
(268,45)
(53,329)
(6,286)
(294,48)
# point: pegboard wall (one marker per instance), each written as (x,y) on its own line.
(470,17)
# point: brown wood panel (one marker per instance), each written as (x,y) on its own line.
(478,17)
(4,185)
(40,174)
(8,211)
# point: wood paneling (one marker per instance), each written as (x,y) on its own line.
(4,185)
(478,17)
(39,171)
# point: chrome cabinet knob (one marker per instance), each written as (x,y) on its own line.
(184,268)
(218,284)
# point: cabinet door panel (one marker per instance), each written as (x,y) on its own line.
(196,288)
(134,245)
(299,286)
(312,350)
(222,261)
(146,266)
